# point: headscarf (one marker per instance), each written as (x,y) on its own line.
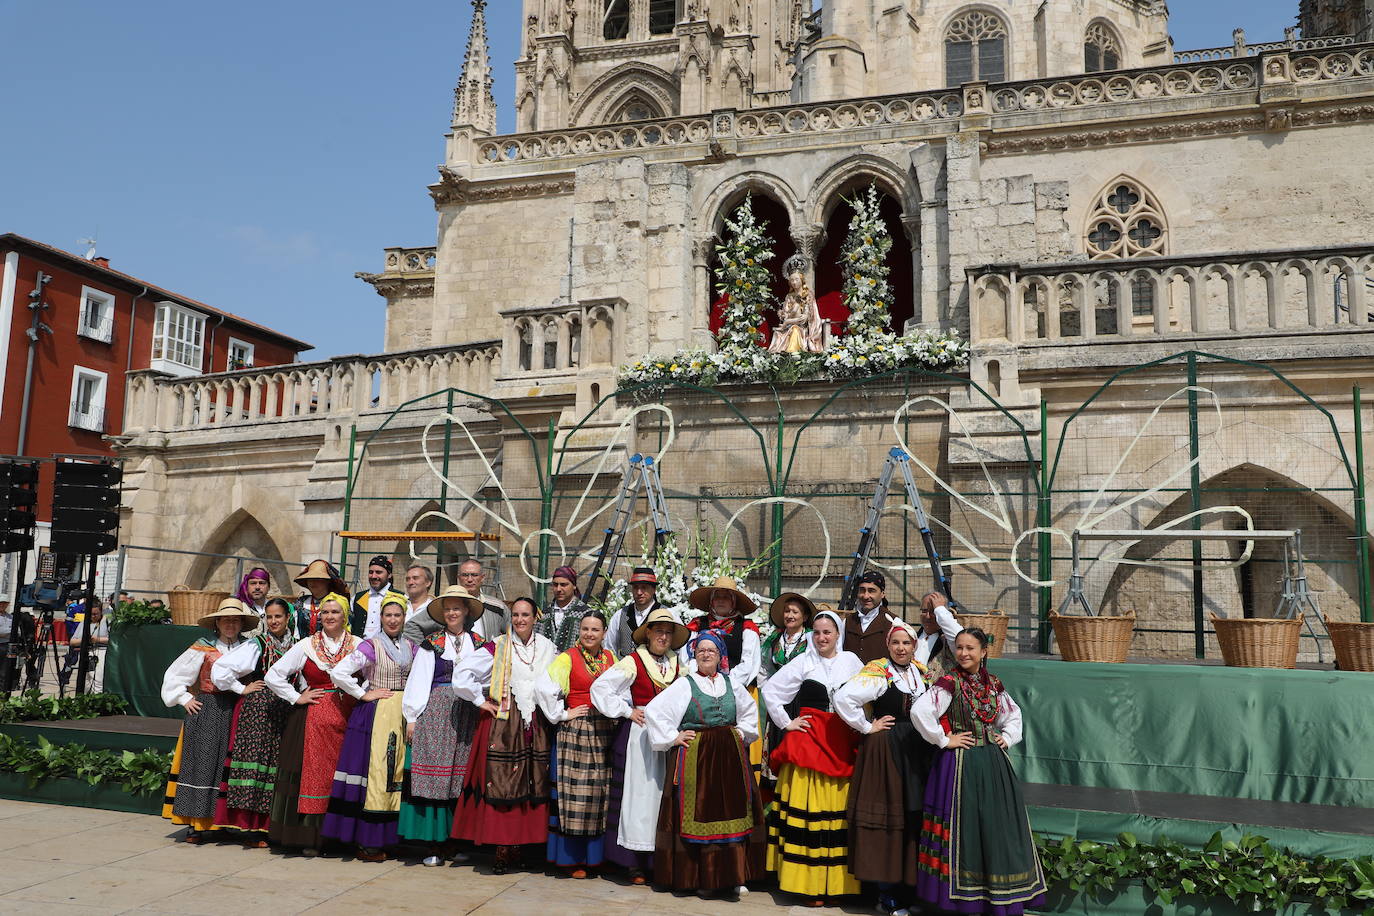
(257,572)
(839,638)
(718,641)
(384,562)
(873,577)
(315,611)
(903,626)
(567,572)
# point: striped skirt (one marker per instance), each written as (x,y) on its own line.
(442,745)
(807,834)
(366,797)
(198,764)
(254,746)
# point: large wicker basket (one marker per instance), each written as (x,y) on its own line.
(188,605)
(1093,639)
(993,623)
(1258,642)
(1354,644)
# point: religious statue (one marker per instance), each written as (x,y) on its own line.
(799,318)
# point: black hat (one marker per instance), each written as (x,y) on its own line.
(873,577)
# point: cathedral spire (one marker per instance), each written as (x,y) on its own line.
(473,102)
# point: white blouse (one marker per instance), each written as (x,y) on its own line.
(281,678)
(663,715)
(421,681)
(472,680)
(185,671)
(926,713)
(747,669)
(782,687)
(849,700)
(611,691)
(230,668)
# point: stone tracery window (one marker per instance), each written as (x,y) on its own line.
(975,48)
(1101,50)
(615,20)
(1125,221)
(635,108)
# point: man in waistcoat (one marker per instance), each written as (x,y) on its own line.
(620,638)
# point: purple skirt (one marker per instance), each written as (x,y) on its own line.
(347,820)
(615,853)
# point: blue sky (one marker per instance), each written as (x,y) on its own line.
(255,155)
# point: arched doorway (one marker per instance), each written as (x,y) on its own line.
(776,223)
(239,535)
(830,273)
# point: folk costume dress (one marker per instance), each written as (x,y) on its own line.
(807,829)
(312,738)
(776,651)
(505,799)
(254,737)
(437,759)
(976,850)
(198,762)
(365,800)
(580,767)
(560,625)
(887,792)
(637,768)
(741,659)
(710,822)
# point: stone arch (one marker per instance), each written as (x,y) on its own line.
(610,92)
(241,533)
(731,192)
(1111,50)
(985,9)
(860,171)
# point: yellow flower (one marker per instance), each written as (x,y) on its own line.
(662,366)
(673,368)
(872,282)
(868,240)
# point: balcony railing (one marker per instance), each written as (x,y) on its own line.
(91,419)
(1254,294)
(1240,49)
(562,337)
(340,387)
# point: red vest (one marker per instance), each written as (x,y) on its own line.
(644,688)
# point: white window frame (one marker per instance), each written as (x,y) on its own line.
(103,328)
(166,311)
(229,359)
(93,418)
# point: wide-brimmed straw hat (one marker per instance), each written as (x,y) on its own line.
(229,607)
(701,597)
(454,593)
(662,615)
(320,569)
(780,603)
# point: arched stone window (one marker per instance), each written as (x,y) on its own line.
(1125,221)
(1101,49)
(662,16)
(634,108)
(615,20)
(975,48)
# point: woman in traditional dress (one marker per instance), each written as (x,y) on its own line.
(314,729)
(255,737)
(440,727)
(726,608)
(581,764)
(319,578)
(505,801)
(974,814)
(807,843)
(198,763)
(365,800)
(711,837)
(623,693)
(888,788)
(791,616)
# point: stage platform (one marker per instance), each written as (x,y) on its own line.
(112,733)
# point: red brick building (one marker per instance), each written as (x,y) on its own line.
(103,324)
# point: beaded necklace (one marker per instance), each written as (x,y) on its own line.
(532,645)
(979,694)
(319,642)
(594,665)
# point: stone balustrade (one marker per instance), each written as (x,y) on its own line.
(562,337)
(409,260)
(1243,295)
(1241,49)
(1199,74)
(340,387)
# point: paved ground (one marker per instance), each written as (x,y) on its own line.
(82,860)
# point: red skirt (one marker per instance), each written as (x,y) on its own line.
(325,725)
(495,823)
(828,747)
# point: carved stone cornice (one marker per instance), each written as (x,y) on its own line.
(396,287)
(454,189)
(1177,130)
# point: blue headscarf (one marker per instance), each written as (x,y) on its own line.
(718,641)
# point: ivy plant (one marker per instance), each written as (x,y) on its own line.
(138,773)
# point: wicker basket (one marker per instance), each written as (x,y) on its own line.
(1093,639)
(188,605)
(993,623)
(1354,644)
(1258,642)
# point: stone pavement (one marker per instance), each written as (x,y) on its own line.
(83,860)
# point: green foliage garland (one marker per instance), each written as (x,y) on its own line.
(1249,872)
(142,773)
(138,614)
(867,292)
(34,707)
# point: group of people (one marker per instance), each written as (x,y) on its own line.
(841,751)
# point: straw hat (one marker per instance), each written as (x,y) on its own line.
(454,593)
(780,603)
(229,607)
(662,615)
(318,569)
(701,597)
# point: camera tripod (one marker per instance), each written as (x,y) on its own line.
(28,652)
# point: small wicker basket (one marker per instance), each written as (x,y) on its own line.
(1093,639)
(1258,642)
(1354,644)
(993,623)
(188,605)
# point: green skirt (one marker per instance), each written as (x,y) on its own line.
(423,820)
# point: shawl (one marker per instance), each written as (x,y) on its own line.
(651,665)
(511,685)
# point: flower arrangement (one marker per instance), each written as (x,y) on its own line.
(867,292)
(745,280)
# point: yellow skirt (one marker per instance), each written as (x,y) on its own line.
(195,823)
(808,835)
(387,757)
(756,749)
